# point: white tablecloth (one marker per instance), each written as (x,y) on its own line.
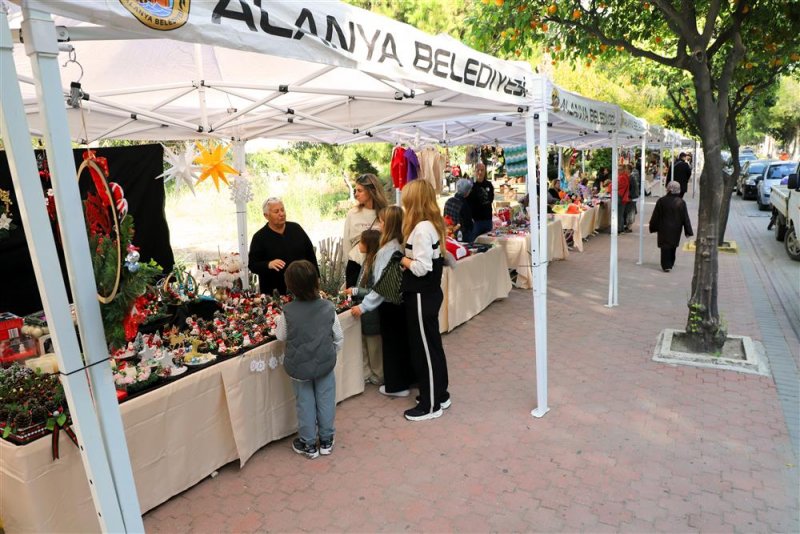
(518,251)
(470,286)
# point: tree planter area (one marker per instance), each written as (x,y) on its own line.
(738,353)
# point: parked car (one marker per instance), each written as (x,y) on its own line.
(773,174)
(786,213)
(745,155)
(751,172)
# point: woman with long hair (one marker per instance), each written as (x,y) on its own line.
(398,375)
(424,236)
(368,192)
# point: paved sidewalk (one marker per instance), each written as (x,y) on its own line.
(629,444)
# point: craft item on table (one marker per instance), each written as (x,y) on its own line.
(458,250)
(182,167)
(133,378)
(125,353)
(212,163)
(6,220)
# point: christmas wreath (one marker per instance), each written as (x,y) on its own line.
(121,282)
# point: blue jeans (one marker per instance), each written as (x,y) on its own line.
(316,407)
(481,227)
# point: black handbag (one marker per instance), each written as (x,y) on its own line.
(388,285)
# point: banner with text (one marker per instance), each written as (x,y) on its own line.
(326,32)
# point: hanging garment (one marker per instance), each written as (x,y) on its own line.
(516,159)
(431,167)
(412,165)
(399,167)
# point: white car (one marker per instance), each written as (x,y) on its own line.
(773,174)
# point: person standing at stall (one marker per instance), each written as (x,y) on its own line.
(398,373)
(480,200)
(313,335)
(682,173)
(275,246)
(369,195)
(670,216)
(424,235)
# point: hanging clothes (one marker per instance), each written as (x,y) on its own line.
(412,165)
(399,167)
(431,167)
(473,155)
(516,160)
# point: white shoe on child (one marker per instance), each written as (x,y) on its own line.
(403,393)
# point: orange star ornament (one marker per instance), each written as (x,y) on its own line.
(212,163)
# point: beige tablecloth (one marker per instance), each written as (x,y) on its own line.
(470,286)
(177,435)
(603,218)
(581,224)
(518,251)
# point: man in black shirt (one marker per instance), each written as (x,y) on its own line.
(275,246)
(480,201)
(682,173)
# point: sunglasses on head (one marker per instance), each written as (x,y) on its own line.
(364,180)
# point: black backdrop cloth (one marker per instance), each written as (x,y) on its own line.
(134,168)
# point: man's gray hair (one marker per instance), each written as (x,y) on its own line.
(463,186)
(270,200)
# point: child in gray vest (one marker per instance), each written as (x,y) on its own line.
(310,327)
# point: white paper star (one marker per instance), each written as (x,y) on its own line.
(5,222)
(183,167)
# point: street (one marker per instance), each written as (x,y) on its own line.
(779,274)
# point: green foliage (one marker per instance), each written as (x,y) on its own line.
(431,16)
(362,165)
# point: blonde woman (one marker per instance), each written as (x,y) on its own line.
(369,195)
(424,236)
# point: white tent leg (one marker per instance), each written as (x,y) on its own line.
(115,489)
(560,165)
(612,266)
(583,161)
(671,159)
(240,163)
(641,201)
(660,168)
(539,257)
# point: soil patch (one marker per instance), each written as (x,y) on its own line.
(732,349)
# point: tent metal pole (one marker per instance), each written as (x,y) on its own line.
(560,165)
(661,167)
(612,267)
(22,163)
(641,200)
(583,161)
(672,158)
(201,90)
(116,489)
(539,257)
(145,89)
(240,162)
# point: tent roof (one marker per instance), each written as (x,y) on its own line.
(142,85)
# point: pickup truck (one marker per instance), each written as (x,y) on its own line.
(785,200)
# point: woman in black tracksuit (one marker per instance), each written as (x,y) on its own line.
(424,235)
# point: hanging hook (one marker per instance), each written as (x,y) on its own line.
(72,58)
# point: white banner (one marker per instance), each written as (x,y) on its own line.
(584,111)
(318,31)
(633,124)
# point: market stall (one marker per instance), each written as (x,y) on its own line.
(517,248)
(177,435)
(582,224)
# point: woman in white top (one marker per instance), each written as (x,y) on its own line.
(398,374)
(369,195)
(424,233)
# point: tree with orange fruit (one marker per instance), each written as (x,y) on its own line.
(709,42)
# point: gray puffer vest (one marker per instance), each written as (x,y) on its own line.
(310,352)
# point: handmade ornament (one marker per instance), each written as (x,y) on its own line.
(212,163)
(241,190)
(119,199)
(6,221)
(182,167)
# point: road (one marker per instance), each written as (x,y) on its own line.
(780,273)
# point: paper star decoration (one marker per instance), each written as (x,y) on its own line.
(183,168)
(5,222)
(212,163)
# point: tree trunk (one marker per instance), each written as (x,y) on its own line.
(728,180)
(703,328)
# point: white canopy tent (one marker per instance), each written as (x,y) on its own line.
(325,72)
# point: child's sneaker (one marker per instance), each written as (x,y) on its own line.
(309,451)
(326,446)
(418,414)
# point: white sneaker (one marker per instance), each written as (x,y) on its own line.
(403,393)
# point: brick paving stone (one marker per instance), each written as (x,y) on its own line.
(629,444)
